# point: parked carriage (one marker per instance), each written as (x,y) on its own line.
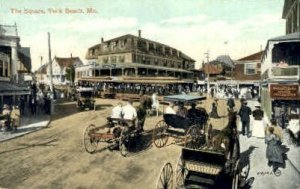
(197,168)
(117,133)
(85,98)
(190,130)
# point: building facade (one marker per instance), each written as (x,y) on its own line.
(291,13)
(280,73)
(133,56)
(15,64)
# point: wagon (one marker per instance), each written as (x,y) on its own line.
(116,133)
(85,98)
(190,130)
(201,169)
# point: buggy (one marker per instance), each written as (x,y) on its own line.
(85,98)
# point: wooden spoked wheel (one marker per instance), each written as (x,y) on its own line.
(123,142)
(165,180)
(180,174)
(192,137)
(90,142)
(236,176)
(160,137)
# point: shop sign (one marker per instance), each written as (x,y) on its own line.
(284,92)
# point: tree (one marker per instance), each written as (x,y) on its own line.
(70,73)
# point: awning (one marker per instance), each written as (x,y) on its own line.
(8,89)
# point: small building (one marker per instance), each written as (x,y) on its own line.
(59,67)
(247,71)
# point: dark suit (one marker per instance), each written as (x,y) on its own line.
(245,113)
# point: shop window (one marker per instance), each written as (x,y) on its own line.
(250,69)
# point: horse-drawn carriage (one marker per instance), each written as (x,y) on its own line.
(117,133)
(188,129)
(213,165)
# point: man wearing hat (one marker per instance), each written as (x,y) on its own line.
(245,113)
(258,123)
(6,112)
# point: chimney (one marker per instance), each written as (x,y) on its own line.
(102,40)
(140,33)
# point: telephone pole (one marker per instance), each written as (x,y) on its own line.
(207,59)
(50,64)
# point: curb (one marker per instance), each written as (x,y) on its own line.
(38,129)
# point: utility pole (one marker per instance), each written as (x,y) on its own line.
(41,68)
(51,79)
(207,59)
(50,64)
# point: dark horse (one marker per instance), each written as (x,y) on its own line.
(226,140)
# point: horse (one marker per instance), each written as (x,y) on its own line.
(226,139)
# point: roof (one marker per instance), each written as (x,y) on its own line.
(286,7)
(25,57)
(226,60)
(42,69)
(182,55)
(7,88)
(291,36)
(65,62)
(212,69)
(255,56)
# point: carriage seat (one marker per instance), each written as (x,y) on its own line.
(177,121)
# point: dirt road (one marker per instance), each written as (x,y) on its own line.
(55,157)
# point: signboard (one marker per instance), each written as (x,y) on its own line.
(284,92)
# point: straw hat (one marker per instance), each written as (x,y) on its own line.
(5,106)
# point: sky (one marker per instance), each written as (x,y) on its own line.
(236,28)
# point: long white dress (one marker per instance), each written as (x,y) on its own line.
(258,128)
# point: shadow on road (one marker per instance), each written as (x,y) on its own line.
(25,146)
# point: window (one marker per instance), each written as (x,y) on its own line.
(250,69)
(113,59)
(122,58)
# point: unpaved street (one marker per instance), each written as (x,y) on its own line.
(55,157)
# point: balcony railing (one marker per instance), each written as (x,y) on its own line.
(285,72)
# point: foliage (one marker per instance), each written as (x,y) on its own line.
(70,73)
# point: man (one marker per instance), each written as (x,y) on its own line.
(129,112)
(169,109)
(245,113)
(141,115)
(182,111)
(15,117)
(192,112)
(230,104)
(116,111)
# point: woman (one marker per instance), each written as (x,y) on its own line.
(258,123)
(214,111)
(273,152)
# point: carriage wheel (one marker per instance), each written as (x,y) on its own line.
(123,141)
(165,180)
(236,176)
(192,137)
(90,143)
(180,173)
(160,137)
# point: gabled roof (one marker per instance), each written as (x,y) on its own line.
(255,56)
(42,69)
(226,60)
(65,62)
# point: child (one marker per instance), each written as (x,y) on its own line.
(274,152)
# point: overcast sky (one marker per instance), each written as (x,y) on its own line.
(234,27)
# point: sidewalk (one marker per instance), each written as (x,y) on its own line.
(28,124)
(254,149)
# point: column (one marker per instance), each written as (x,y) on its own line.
(3,68)
(136,71)
(14,63)
(110,72)
(122,72)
